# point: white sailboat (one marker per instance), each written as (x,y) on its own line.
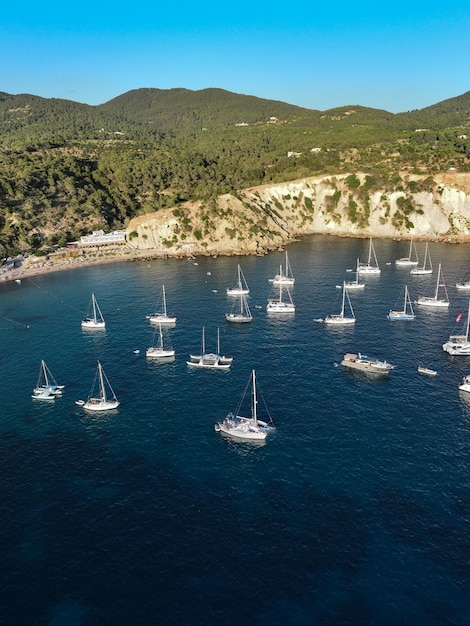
(465,384)
(341,319)
(411,260)
(245,428)
(210,360)
(435,301)
(372,265)
(426,268)
(406,313)
(279,305)
(162,317)
(46,385)
(95,320)
(458,345)
(240,287)
(240,314)
(285,276)
(355,284)
(465,286)
(160,351)
(102,396)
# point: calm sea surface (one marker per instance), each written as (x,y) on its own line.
(356,510)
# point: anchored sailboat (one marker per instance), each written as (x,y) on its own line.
(160,351)
(435,301)
(372,266)
(426,268)
(280,305)
(341,318)
(162,317)
(102,396)
(210,360)
(240,314)
(411,260)
(355,284)
(240,287)
(46,385)
(94,321)
(458,345)
(407,313)
(285,276)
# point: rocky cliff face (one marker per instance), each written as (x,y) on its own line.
(265,218)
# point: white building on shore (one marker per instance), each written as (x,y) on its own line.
(100,238)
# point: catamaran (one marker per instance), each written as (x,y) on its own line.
(285,276)
(210,360)
(240,287)
(426,268)
(245,428)
(46,385)
(162,317)
(102,396)
(411,260)
(406,313)
(370,267)
(94,321)
(435,301)
(341,318)
(458,345)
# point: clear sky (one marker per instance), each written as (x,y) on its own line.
(396,55)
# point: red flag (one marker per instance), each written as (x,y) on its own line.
(459,317)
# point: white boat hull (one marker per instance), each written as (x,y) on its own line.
(157,353)
(432,303)
(163,320)
(399,315)
(96,405)
(237,318)
(406,263)
(333,320)
(463,286)
(366,364)
(90,324)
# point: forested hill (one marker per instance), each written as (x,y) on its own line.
(67,167)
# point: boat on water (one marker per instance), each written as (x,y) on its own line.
(427,371)
(463,286)
(160,351)
(241,286)
(435,301)
(465,383)
(340,319)
(406,313)
(46,385)
(372,265)
(458,345)
(426,267)
(210,360)
(285,276)
(162,317)
(366,364)
(102,396)
(282,303)
(245,428)
(43,394)
(354,284)
(94,320)
(240,313)
(411,260)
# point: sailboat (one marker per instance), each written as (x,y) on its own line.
(285,276)
(46,385)
(104,399)
(245,428)
(280,305)
(340,318)
(355,284)
(410,260)
(435,301)
(458,345)
(369,267)
(94,321)
(407,313)
(162,317)
(426,268)
(160,351)
(240,287)
(210,360)
(241,314)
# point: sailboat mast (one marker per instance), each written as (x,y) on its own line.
(102,389)
(94,306)
(344,295)
(438,281)
(255,400)
(164,300)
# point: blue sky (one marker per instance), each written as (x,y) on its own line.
(398,57)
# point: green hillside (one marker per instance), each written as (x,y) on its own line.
(68,167)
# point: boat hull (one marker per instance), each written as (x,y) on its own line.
(238,319)
(99,405)
(366,364)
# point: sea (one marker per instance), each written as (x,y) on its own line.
(356,508)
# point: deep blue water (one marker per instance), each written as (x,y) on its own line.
(355,511)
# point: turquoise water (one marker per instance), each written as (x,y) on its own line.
(355,511)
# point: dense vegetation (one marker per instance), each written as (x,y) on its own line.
(67,168)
